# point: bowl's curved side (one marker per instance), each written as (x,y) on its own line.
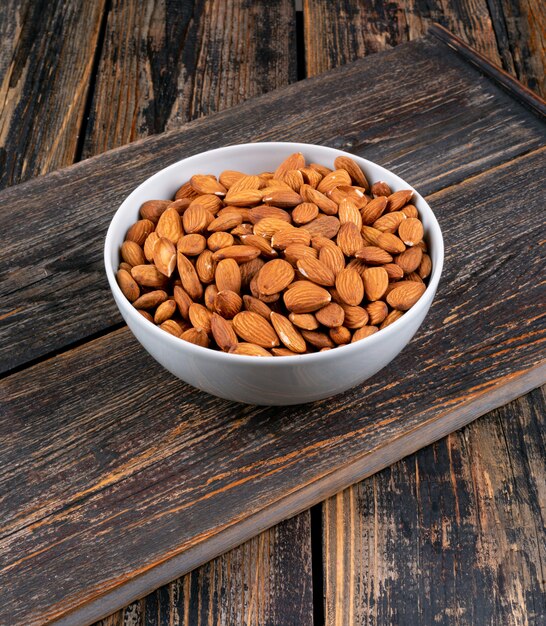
(266,380)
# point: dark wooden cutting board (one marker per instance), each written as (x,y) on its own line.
(116,477)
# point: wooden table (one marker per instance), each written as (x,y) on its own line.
(453,533)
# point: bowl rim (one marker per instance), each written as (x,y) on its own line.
(200,352)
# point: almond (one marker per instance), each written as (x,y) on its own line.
(409,260)
(317,339)
(399,199)
(240,253)
(411,231)
(229,177)
(209,202)
(290,236)
(148,276)
(377,312)
(370,235)
(389,222)
(209,296)
(150,300)
(322,169)
(349,213)
(274,276)
(196,219)
(153,209)
(249,270)
(294,179)
(287,333)
(228,276)
(331,315)
(425,266)
(139,231)
(228,304)
(376,281)
(263,211)
(186,191)
(364,332)
(391,243)
(207,184)
(283,352)
(261,243)
(392,317)
(164,311)
(220,240)
(172,327)
(353,169)
(332,257)
(146,315)
(249,349)
(191,245)
(243,183)
(293,162)
(305,212)
(373,255)
(404,296)
(410,210)
(253,328)
(311,177)
(349,239)
(256,306)
(132,253)
(223,333)
(305,297)
(373,210)
(128,285)
(306,321)
(165,256)
(205,266)
(188,276)
(268,226)
(380,188)
(327,206)
(394,271)
(315,271)
(334,179)
(282,198)
(340,335)
(325,225)
(349,286)
(200,317)
(226,221)
(196,336)
(296,251)
(149,246)
(183,301)
(355,316)
(246,198)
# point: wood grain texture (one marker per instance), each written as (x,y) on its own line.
(342,31)
(46,58)
(164,63)
(520,26)
(457,126)
(102,515)
(267,580)
(452,535)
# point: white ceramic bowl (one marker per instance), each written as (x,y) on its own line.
(267,380)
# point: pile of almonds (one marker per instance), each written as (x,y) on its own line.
(302,259)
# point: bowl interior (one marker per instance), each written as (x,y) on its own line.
(253,159)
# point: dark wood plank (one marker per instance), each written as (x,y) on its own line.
(452,535)
(341,31)
(520,26)
(446,124)
(111,522)
(169,62)
(267,580)
(46,61)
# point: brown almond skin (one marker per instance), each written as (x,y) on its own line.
(249,349)
(410,259)
(223,333)
(287,333)
(331,316)
(305,321)
(228,304)
(364,332)
(315,271)
(274,276)
(355,316)
(404,296)
(253,328)
(340,335)
(128,285)
(350,287)
(150,300)
(377,312)
(139,231)
(164,311)
(188,276)
(196,336)
(257,306)
(317,339)
(200,317)
(148,276)
(228,276)
(306,297)
(376,281)
(132,253)
(153,209)
(183,301)
(172,327)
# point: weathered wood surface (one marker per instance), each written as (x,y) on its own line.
(454,534)
(110,522)
(508,32)
(47,52)
(267,580)
(165,63)
(448,122)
